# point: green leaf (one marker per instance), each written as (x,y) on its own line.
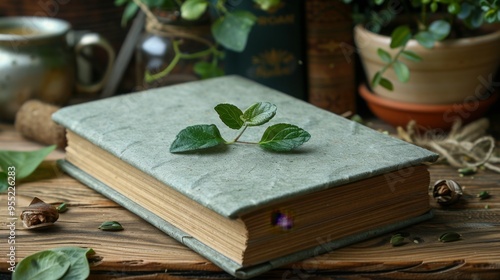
(45,265)
(4,185)
(376,79)
(230,115)
(412,56)
(283,137)
(402,71)
(386,84)
(434,7)
(267,4)
(385,56)
(259,113)
(129,12)
(440,29)
(120,2)
(449,237)
(454,8)
(400,36)
(111,226)
(232,30)
(79,265)
(193,9)
(196,137)
(207,70)
(426,39)
(24,162)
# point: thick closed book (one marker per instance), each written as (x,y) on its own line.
(245,208)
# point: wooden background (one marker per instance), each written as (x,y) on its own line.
(143,252)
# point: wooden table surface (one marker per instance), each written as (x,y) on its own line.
(143,252)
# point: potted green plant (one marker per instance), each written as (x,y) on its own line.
(429,60)
(182,24)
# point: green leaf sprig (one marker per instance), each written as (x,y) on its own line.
(280,137)
(20,164)
(437,31)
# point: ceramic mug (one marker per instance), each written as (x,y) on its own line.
(38,61)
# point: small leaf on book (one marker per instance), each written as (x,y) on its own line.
(197,137)
(283,137)
(259,113)
(230,115)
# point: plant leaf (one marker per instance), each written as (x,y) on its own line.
(402,71)
(193,9)
(207,70)
(196,137)
(4,185)
(440,29)
(384,55)
(412,56)
(42,265)
(454,8)
(111,226)
(232,30)
(259,113)
(376,79)
(230,115)
(24,162)
(267,4)
(79,265)
(400,36)
(386,84)
(129,12)
(426,39)
(283,137)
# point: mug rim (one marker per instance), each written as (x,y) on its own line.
(46,27)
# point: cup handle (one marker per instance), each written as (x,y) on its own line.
(94,39)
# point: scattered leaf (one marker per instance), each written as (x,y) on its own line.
(111,226)
(45,265)
(79,265)
(24,162)
(63,207)
(450,237)
(397,240)
(467,171)
(483,195)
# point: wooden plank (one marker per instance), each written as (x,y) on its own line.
(143,252)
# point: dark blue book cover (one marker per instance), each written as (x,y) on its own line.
(275,52)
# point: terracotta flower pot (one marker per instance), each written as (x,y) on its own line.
(454,71)
(439,116)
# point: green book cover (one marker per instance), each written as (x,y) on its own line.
(139,128)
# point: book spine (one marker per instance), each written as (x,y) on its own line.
(330,64)
(275,52)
